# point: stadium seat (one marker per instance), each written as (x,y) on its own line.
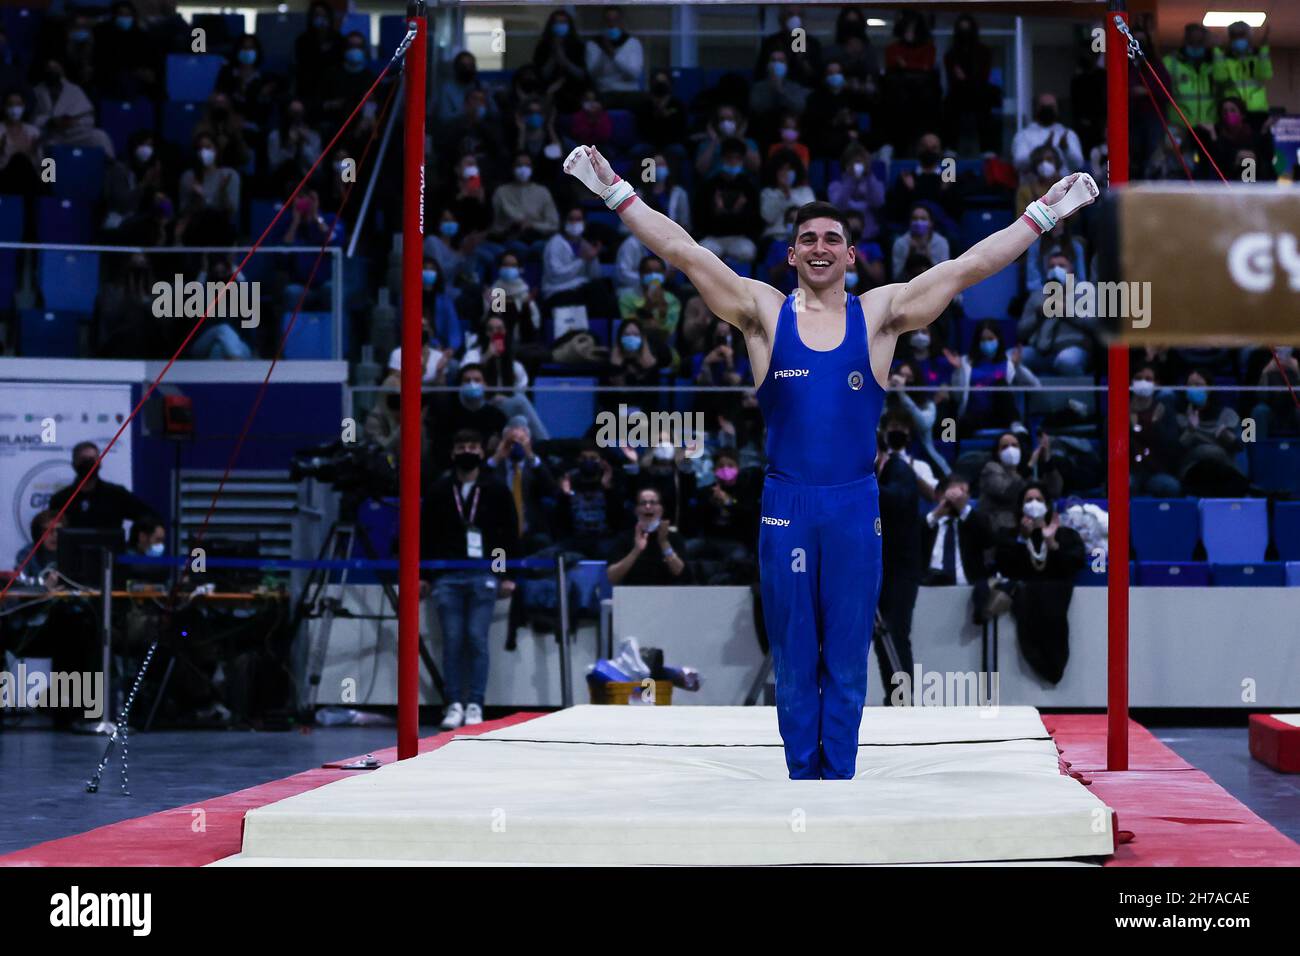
(178,122)
(566,414)
(44,333)
(221,29)
(22,25)
(360,22)
(11,230)
(191,76)
(62,221)
(69,280)
(623,130)
(392,28)
(1275,464)
(1271,574)
(817,176)
(1172,574)
(1293,574)
(277,33)
(120,119)
(900,166)
(312,336)
(976,224)
(1234,530)
(78,172)
(1286,530)
(989,299)
(588,586)
(1164,529)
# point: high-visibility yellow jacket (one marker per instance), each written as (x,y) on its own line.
(1193,87)
(1245,77)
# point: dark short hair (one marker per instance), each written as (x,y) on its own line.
(953,478)
(467,436)
(76,449)
(143,526)
(40,521)
(820,210)
(469,367)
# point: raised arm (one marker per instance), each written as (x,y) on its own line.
(730,297)
(916,304)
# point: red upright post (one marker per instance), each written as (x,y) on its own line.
(1117,425)
(408,577)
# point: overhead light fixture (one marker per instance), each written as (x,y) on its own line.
(1223,18)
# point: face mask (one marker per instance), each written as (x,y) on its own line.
(989,347)
(896,439)
(523,173)
(429,277)
(1198,396)
(920,340)
(630,343)
(663,452)
(15,113)
(727,127)
(792,23)
(534,120)
(84,467)
(124,23)
(789,135)
(778,68)
(560,29)
(1232,120)
(574,228)
(850,280)
(1144,387)
(732,169)
(588,467)
(449,227)
(354,60)
(156,550)
(920,227)
(143,153)
(661,173)
(509,273)
(468,460)
(1010,456)
(552,151)
(787,177)
(248,57)
(1240,45)
(652,277)
(1056,274)
(1046,170)
(1046,116)
(835,80)
(78,36)
(471,391)
(727,473)
(207,156)
(1035,509)
(652,527)
(1194,52)
(614,33)
(859,169)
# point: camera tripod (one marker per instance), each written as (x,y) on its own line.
(342,538)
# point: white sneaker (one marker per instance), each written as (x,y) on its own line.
(473,715)
(453,717)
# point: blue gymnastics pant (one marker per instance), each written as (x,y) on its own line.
(820,570)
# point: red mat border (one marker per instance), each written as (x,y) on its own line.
(1176,814)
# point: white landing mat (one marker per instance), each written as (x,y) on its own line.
(663,785)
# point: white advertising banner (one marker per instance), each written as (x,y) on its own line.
(39,425)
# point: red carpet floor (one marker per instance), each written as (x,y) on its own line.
(1176,814)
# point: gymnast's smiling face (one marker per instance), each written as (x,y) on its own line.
(821,254)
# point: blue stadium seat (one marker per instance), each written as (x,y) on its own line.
(976,224)
(120,119)
(1271,574)
(602,329)
(1286,530)
(623,133)
(1087,577)
(11,230)
(742,269)
(191,76)
(222,30)
(1172,574)
(359,22)
(277,33)
(22,24)
(392,27)
(1275,464)
(62,221)
(78,172)
(566,414)
(45,333)
(69,280)
(178,122)
(1293,574)
(817,176)
(312,336)
(589,585)
(1234,530)
(1164,529)
(900,166)
(989,299)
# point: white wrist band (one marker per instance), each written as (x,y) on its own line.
(617,194)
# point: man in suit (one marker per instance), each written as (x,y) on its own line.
(902,538)
(958,540)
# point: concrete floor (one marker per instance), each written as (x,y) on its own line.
(43,774)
